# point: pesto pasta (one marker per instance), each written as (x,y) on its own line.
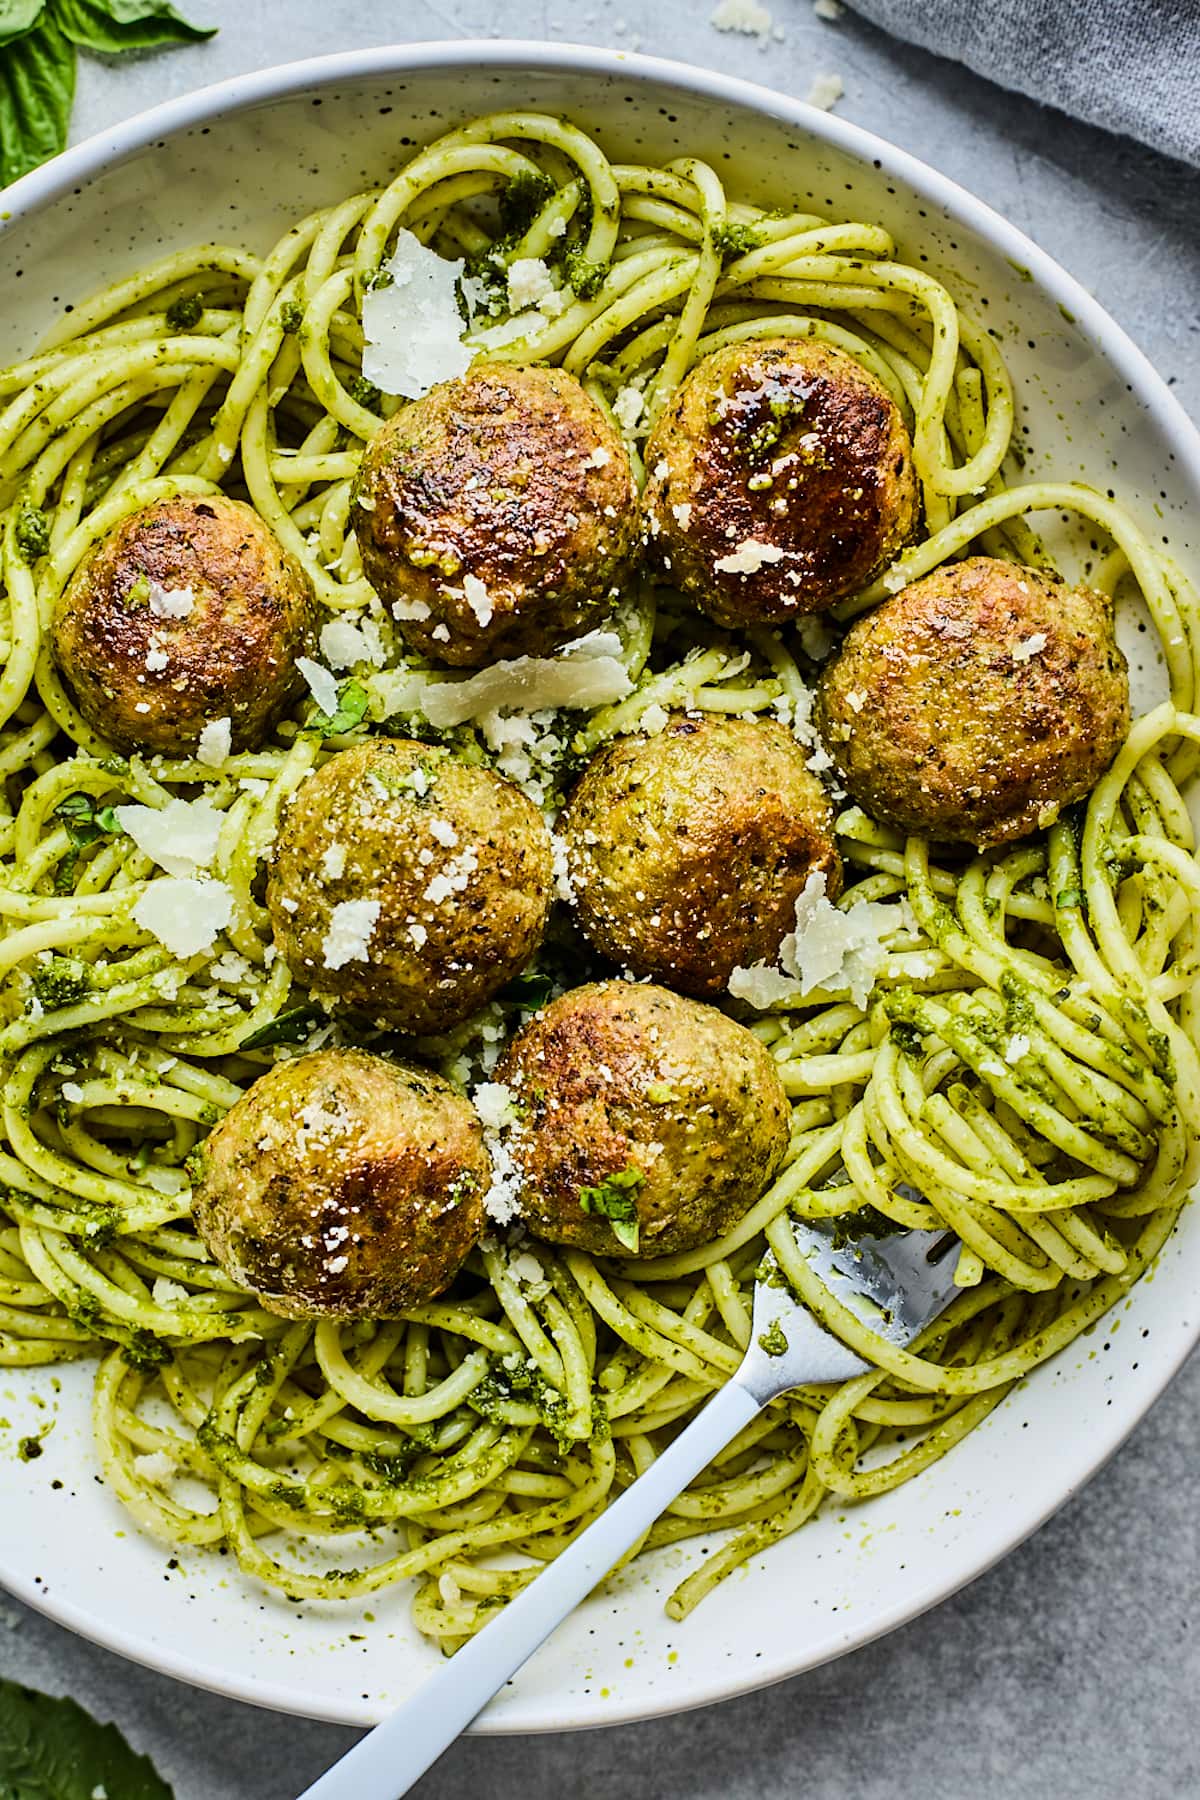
(1023,1070)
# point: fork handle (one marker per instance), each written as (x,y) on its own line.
(385,1764)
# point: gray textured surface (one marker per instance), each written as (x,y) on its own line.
(1071,1670)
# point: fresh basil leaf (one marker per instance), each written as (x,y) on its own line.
(291,1027)
(85,822)
(351,709)
(17,17)
(113,27)
(52,1750)
(37,86)
(615,1199)
(528,990)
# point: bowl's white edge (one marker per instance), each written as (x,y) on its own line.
(89,158)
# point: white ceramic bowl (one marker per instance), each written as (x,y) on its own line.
(241,162)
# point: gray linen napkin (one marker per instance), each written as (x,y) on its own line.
(1132,66)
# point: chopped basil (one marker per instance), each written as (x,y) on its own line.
(350,711)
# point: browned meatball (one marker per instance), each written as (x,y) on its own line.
(975,704)
(189,611)
(780,479)
(408,883)
(343,1186)
(496,515)
(646,1123)
(687,851)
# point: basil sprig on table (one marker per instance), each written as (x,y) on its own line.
(53,1750)
(38,42)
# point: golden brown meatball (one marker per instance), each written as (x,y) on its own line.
(409,884)
(343,1186)
(780,479)
(646,1123)
(188,611)
(496,515)
(975,704)
(687,851)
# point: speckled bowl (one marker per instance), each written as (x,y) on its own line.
(242,161)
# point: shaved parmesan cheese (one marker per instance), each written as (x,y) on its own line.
(321,684)
(587,673)
(170,603)
(508,331)
(345,643)
(350,928)
(185,914)
(412,327)
(749,557)
(215,742)
(1030,647)
(180,837)
(839,952)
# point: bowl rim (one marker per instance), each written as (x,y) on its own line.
(91,157)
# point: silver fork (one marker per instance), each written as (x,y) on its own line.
(895,1284)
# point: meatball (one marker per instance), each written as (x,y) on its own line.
(687,851)
(780,479)
(497,515)
(977,703)
(409,884)
(343,1186)
(645,1123)
(188,611)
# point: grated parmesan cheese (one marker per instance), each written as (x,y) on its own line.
(749,557)
(180,837)
(494,1103)
(333,862)
(529,281)
(216,741)
(1030,647)
(478,599)
(185,913)
(628,408)
(412,327)
(350,927)
(157,1468)
(170,603)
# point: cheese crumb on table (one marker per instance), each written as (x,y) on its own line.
(749,17)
